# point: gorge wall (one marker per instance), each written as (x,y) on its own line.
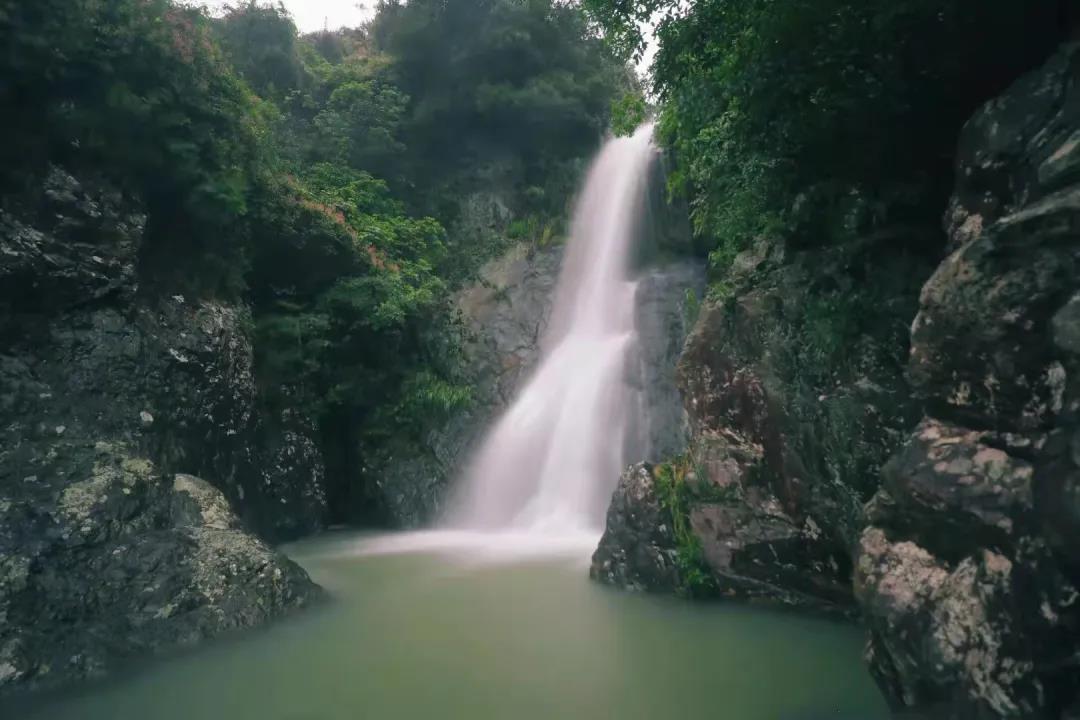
(968,571)
(112,401)
(811,480)
(505,314)
(143,475)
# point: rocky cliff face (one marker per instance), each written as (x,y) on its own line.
(107,393)
(787,427)
(968,573)
(812,482)
(666,297)
(638,549)
(505,314)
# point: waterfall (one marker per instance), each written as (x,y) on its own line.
(550,463)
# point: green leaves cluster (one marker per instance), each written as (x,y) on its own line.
(315,175)
(262,47)
(137,91)
(349,305)
(506,92)
(764,102)
(676,497)
(627,113)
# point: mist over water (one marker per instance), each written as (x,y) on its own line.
(550,463)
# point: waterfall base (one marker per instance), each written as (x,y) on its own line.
(419,635)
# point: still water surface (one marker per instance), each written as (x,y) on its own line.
(436,635)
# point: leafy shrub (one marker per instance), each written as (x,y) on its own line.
(627,113)
(137,91)
(314,176)
(675,496)
(762,99)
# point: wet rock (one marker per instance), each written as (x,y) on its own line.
(955,612)
(1066,326)
(106,393)
(285,494)
(638,549)
(968,573)
(993,296)
(67,245)
(188,368)
(196,503)
(959,488)
(771,506)
(125,562)
(171,375)
(754,549)
(505,315)
(667,297)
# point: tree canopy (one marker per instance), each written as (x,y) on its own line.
(316,176)
(761,100)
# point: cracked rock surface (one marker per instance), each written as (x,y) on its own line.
(968,572)
(109,396)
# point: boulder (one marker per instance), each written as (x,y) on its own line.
(638,550)
(968,572)
(122,561)
(107,391)
(784,436)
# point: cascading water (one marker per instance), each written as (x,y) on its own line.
(550,463)
(544,474)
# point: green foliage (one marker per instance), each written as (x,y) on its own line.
(261,44)
(358,126)
(524,86)
(761,99)
(691,307)
(669,480)
(349,307)
(627,113)
(428,396)
(137,91)
(315,176)
(534,230)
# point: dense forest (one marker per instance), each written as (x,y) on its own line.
(318,176)
(256,284)
(821,120)
(827,128)
(880,188)
(327,178)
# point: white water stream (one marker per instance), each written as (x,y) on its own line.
(550,463)
(508,626)
(543,476)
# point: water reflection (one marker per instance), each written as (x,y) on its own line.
(425,634)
